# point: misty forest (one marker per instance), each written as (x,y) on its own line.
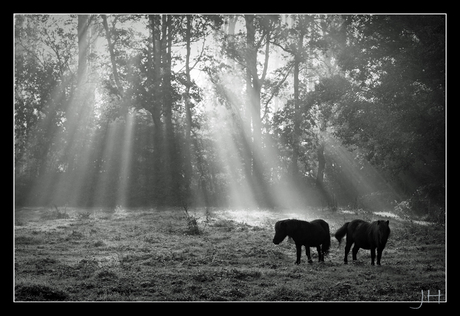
(154,153)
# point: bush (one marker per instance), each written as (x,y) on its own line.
(429,200)
(426,202)
(119,212)
(192,224)
(55,214)
(378,201)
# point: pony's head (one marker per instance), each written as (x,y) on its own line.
(384,230)
(280,232)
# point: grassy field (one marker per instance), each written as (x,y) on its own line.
(151,255)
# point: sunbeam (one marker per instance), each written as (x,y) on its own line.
(250,163)
(66,175)
(53,127)
(240,191)
(360,178)
(126,157)
(108,166)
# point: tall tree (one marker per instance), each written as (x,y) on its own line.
(296,38)
(188,111)
(196,29)
(83,45)
(173,160)
(254,83)
(113,61)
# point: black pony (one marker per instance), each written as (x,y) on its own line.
(365,235)
(310,234)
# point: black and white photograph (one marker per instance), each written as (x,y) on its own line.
(244,157)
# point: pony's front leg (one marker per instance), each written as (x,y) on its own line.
(379,255)
(299,251)
(307,252)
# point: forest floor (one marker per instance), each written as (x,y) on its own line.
(160,255)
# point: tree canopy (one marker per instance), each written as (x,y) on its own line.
(243,110)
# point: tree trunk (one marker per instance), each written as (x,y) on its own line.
(188,114)
(295,146)
(253,89)
(173,160)
(83,43)
(297,114)
(112,57)
(231,24)
(249,111)
(328,196)
(155,108)
(167,108)
(321,165)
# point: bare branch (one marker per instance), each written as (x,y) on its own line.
(283,48)
(275,90)
(201,55)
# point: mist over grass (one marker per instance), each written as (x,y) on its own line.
(225,254)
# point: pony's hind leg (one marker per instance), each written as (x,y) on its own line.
(298,252)
(355,251)
(307,252)
(320,254)
(347,250)
(379,255)
(373,256)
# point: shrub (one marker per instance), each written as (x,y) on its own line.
(55,214)
(426,202)
(403,209)
(119,212)
(192,224)
(84,215)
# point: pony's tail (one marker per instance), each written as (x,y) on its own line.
(341,232)
(327,243)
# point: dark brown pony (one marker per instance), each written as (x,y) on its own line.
(364,235)
(310,234)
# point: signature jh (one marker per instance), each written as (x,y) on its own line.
(428,298)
